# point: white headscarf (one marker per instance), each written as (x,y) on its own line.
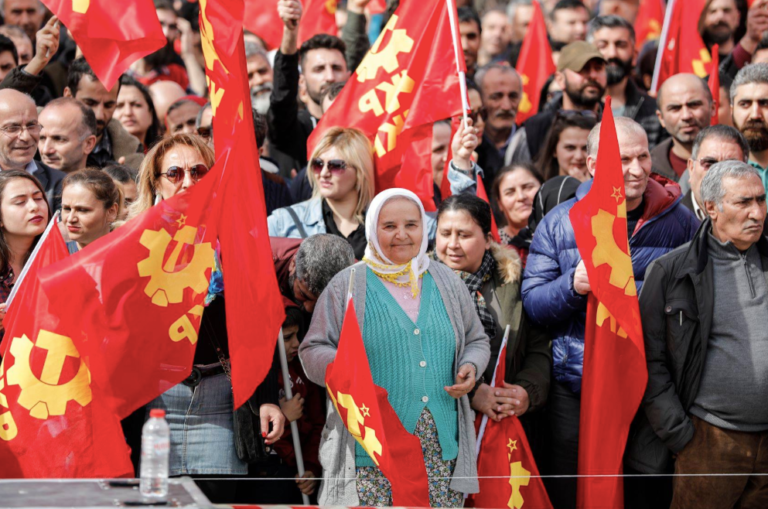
(374,256)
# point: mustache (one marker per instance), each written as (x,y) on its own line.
(504,114)
(265,87)
(592,83)
(757,125)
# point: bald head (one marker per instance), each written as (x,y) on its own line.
(685,107)
(682,83)
(20,129)
(165,93)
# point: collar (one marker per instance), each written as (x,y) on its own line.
(700,213)
(32,167)
(105,145)
(755,164)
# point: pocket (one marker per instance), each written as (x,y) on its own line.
(682,323)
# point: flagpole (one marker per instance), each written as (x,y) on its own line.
(20,277)
(456,49)
(484,420)
(288,397)
(662,45)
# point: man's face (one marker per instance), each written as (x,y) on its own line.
(25,13)
(617,48)
(712,150)
(720,21)
(635,163)
(476,104)
(470,41)
(626,9)
(18,149)
(260,74)
(750,114)
(303,296)
(586,87)
(569,25)
(102,101)
(495,33)
(168,21)
(183,118)
(322,68)
(441,140)
(62,142)
(205,128)
(23,48)
(519,26)
(685,110)
(502,91)
(6,64)
(741,215)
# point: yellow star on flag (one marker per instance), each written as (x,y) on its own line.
(617,194)
(512,445)
(181,221)
(365,411)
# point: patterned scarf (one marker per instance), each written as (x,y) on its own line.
(474,282)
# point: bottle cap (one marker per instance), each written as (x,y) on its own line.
(157,412)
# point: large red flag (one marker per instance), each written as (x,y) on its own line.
(535,65)
(683,50)
(365,411)
(650,18)
(53,423)
(405,83)
(319,17)
(714,83)
(503,447)
(112,35)
(251,293)
(261,18)
(615,372)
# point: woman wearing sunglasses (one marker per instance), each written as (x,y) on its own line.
(200,409)
(90,203)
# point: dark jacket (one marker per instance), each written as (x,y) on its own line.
(660,160)
(676,307)
(276,192)
(123,144)
(355,38)
(491,161)
(548,294)
(50,179)
(641,108)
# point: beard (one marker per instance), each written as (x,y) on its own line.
(164,56)
(717,34)
(260,98)
(317,94)
(756,134)
(617,70)
(579,97)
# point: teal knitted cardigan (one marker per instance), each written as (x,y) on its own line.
(413,362)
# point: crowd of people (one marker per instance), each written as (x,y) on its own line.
(434,292)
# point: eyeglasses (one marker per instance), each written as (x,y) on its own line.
(205,132)
(175,174)
(335,166)
(480,113)
(14,130)
(169,26)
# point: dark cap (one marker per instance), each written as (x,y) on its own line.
(576,55)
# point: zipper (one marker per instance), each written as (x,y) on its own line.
(749,278)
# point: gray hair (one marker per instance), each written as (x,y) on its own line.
(252,49)
(320,257)
(513,5)
(480,74)
(753,73)
(724,133)
(200,114)
(623,124)
(609,21)
(712,185)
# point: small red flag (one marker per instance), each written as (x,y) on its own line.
(53,421)
(482,194)
(535,65)
(683,50)
(112,36)
(407,81)
(261,18)
(714,83)
(615,372)
(319,17)
(445,185)
(650,18)
(366,413)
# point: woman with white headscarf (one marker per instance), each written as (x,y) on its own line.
(425,345)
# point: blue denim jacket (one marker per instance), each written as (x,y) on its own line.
(310,212)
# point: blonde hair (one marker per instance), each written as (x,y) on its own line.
(150,169)
(353,147)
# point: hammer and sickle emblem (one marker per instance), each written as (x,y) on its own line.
(355,421)
(607,251)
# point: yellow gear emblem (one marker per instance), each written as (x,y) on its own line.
(45,397)
(167,286)
(377,58)
(607,251)
(80,6)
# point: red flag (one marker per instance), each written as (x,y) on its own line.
(377,6)
(535,65)
(407,80)
(109,41)
(53,423)
(683,50)
(482,194)
(503,447)
(365,411)
(261,18)
(319,17)
(250,284)
(650,18)
(445,185)
(714,82)
(615,373)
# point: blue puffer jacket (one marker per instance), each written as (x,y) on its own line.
(548,294)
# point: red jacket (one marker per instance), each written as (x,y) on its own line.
(283,251)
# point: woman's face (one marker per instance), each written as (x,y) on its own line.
(180,157)
(84,215)
(441,140)
(24,209)
(460,242)
(476,103)
(400,230)
(336,184)
(571,152)
(133,111)
(517,190)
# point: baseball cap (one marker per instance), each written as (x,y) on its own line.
(575,56)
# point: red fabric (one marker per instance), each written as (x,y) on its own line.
(109,43)
(319,17)
(678,164)
(252,294)
(741,57)
(416,169)
(650,18)
(482,194)
(504,448)
(377,6)
(660,194)
(170,72)
(684,50)
(405,83)
(445,185)
(714,82)
(56,425)
(615,372)
(283,253)
(365,411)
(310,423)
(534,64)
(261,18)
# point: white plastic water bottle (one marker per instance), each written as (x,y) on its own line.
(155,451)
